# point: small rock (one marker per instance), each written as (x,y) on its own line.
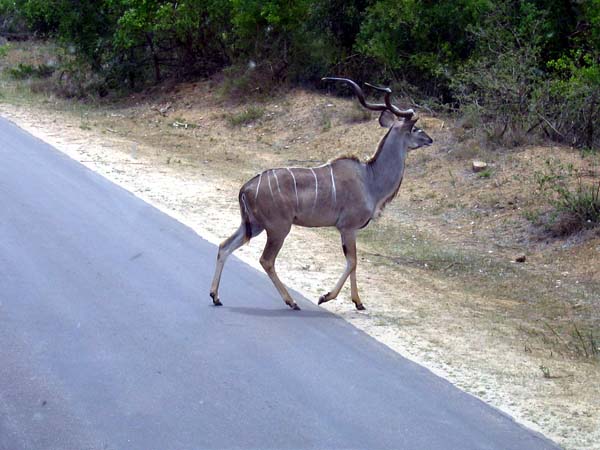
(521,258)
(478,166)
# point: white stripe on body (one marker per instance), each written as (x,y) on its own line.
(258,186)
(333,184)
(276,180)
(270,189)
(295,187)
(316,189)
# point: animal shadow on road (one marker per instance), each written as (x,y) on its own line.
(280,312)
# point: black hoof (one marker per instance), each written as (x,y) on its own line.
(295,307)
(323,298)
(215,299)
(360,306)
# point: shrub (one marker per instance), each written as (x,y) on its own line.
(12,21)
(247,116)
(511,87)
(245,82)
(569,104)
(576,201)
(22,71)
(420,42)
(497,85)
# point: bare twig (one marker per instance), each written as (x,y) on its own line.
(534,126)
(556,334)
(551,126)
(581,340)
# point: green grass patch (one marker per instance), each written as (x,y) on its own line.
(249,115)
(4,50)
(486,173)
(324,120)
(23,71)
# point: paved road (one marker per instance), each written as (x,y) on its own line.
(108,340)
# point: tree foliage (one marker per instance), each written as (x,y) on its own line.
(538,60)
(421,41)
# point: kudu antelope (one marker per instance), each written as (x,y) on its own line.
(344,193)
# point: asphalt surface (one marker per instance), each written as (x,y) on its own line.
(108,339)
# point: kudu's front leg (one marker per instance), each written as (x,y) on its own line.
(275,241)
(349,248)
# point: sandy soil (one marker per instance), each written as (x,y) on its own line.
(470,339)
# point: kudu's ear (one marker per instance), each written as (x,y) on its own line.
(386,119)
(409,123)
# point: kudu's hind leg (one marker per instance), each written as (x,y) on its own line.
(354,291)
(349,247)
(267,260)
(227,247)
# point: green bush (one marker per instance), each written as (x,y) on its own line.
(10,18)
(420,42)
(245,117)
(513,91)
(4,50)
(248,82)
(569,103)
(497,85)
(23,71)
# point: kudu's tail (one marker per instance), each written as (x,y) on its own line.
(251,226)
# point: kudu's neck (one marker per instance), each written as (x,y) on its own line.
(386,167)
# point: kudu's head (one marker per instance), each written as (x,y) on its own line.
(402,121)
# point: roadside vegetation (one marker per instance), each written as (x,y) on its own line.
(519,71)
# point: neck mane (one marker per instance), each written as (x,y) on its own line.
(386,168)
(377,153)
